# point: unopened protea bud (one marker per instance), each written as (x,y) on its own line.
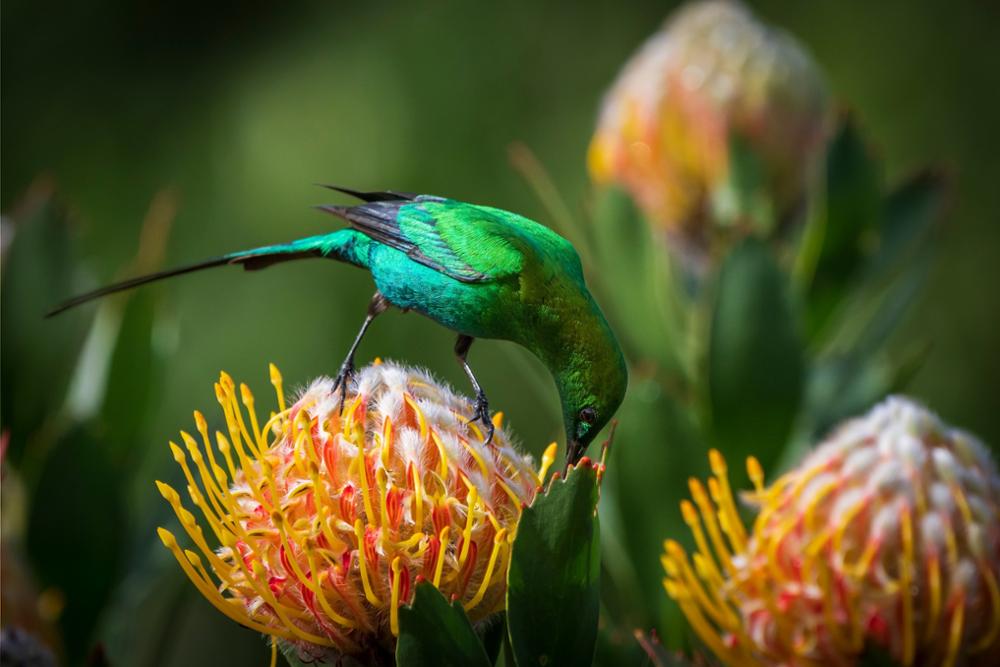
(713,75)
(328,514)
(887,536)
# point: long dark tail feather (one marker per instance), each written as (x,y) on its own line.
(136,282)
(251,261)
(386,195)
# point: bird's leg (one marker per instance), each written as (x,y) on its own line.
(376,307)
(482,408)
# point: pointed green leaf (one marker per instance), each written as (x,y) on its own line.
(554,577)
(755,363)
(853,199)
(848,227)
(859,373)
(38,355)
(910,212)
(639,273)
(743,198)
(618,647)
(890,310)
(840,388)
(136,359)
(133,374)
(491,633)
(647,474)
(433,632)
(76,533)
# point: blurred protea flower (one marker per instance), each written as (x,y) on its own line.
(887,535)
(712,75)
(328,514)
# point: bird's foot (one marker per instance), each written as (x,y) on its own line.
(482,414)
(344,377)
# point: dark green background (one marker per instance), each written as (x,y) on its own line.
(241,108)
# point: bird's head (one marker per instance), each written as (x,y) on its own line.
(591,387)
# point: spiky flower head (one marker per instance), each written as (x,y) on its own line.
(712,73)
(327,515)
(887,535)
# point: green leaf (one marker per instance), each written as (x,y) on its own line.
(743,198)
(433,632)
(876,656)
(554,577)
(755,364)
(910,212)
(491,633)
(858,374)
(854,371)
(37,355)
(639,283)
(640,494)
(853,198)
(839,388)
(618,647)
(848,228)
(76,533)
(134,374)
(890,310)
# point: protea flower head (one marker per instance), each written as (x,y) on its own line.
(712,74)
(887,535)
(327,514)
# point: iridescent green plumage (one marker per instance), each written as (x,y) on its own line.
(482,272)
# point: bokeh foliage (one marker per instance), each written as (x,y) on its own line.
(776,341)
(240,112)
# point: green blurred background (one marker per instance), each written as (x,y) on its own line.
(240,109)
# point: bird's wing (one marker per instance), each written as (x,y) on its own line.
(466,242)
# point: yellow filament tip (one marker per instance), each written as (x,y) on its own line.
(467,533)
(394,603)
(488,575)
(359,533)
(756,473)
(547,459)
(717,462)
(168,539)
(277,382)
(442,550)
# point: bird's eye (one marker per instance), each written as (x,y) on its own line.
(588,415)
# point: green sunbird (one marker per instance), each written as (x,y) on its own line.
(480,271)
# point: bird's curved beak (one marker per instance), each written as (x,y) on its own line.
(574,452)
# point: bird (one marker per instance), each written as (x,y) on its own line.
(480,271)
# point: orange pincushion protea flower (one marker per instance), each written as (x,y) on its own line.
(712,73)
(328,516)
(888,534)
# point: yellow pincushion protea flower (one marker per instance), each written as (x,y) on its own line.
(713,72)
(327,516)
(887,535)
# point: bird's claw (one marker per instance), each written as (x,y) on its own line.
(344,376)
(482,414)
